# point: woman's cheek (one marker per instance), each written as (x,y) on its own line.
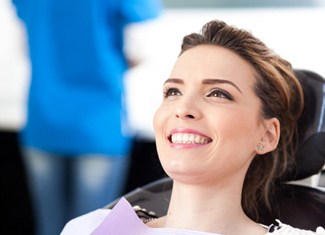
(157,119)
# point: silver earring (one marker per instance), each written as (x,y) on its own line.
(260,147)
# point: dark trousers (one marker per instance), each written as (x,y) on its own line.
(16,209)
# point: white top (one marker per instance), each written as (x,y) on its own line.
(123,220)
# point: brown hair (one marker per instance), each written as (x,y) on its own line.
(281,97)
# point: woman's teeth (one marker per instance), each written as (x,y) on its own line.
(185,138)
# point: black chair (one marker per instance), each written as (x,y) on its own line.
(300,206)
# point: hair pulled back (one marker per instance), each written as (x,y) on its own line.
(281,96)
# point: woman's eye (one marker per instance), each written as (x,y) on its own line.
(220,94)
(171,92)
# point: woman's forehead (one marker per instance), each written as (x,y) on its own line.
(213,62)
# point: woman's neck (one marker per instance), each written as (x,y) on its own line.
(215,209)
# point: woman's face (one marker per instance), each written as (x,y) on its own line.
(209,122)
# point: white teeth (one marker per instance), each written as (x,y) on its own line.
(185,138)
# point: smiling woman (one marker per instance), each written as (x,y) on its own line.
(211,100)
(225,132)
(245,120)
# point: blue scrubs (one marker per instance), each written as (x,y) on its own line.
(76,140)
(75,102)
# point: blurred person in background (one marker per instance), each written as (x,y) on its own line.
(76,141)
(16,211)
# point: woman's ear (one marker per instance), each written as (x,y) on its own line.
(270,139)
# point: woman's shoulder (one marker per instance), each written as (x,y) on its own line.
(285,229)
(86,223)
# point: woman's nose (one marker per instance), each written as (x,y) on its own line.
(185,116)
(188,110)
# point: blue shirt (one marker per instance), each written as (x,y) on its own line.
(75,103)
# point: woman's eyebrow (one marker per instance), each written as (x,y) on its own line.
(174,80)
(212,81)
(209,81)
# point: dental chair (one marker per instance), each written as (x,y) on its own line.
(300,205)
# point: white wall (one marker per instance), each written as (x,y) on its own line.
(296,34)
(14,69)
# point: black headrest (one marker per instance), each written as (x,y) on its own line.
(310,157)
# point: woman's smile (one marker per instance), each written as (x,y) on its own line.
(180,138)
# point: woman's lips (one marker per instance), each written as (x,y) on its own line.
(187,136)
